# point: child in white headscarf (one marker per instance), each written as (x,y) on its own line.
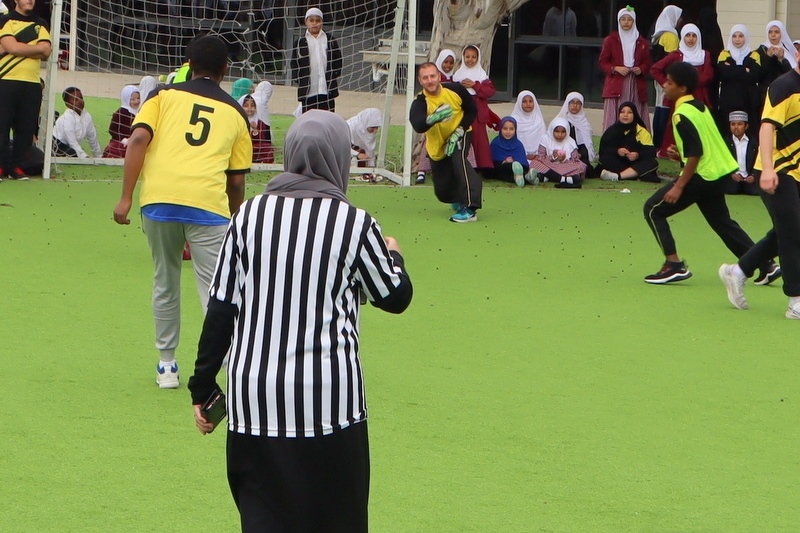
(474,78)
(531,127)
(690,51)
(776,55)
(579,129)
(316,65)
(665,40)
(558,160)
(121,121)
(261,95)
(446,63)
(260,133)
(738,70)
(625,60)
(364,138)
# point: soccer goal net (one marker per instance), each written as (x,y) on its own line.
(105,45)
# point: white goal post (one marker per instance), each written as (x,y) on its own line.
(117,43)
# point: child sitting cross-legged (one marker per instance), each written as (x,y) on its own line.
(626,148)
(121,121)
(508,155)
(558,160)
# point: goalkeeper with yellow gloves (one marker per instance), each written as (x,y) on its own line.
(444,113)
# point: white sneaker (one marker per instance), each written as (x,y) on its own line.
(734,284)
(167,376)
(609,176)
(532,177)
(793,312)
(519,179)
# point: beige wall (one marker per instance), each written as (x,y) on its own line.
(755,14)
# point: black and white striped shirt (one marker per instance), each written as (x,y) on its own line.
(290,273)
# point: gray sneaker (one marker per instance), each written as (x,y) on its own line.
(734,284)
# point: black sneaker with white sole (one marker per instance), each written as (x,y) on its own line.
(768,274)
(669,273)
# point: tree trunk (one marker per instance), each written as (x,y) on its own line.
(457,23)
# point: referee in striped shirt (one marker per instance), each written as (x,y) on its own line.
(294,265)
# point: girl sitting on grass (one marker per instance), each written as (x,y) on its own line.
(626,148)
(121,121)
(558,160)
(260,133)
(508,155)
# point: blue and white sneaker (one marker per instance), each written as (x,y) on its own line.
(455,206)
(519,177)
(167,376)
(465,214)
(532,177)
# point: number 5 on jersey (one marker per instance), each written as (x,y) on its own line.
(204,122)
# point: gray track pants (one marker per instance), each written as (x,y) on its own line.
(166,246)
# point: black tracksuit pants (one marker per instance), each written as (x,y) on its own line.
(783,239)
(454,179)
(710,199)
(19,111)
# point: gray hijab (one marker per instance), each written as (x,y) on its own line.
(316,158)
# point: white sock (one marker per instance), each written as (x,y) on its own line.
(563,179)
(794,300)
(569,180)
(167,364)
(737,271)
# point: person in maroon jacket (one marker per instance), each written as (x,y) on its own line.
(121,121)
(625,60)
(690,51)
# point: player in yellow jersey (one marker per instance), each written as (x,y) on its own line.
(190,143)
(24,42)
(445,113)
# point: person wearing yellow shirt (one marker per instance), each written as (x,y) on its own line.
(190,143)
(24,42)
(445,113)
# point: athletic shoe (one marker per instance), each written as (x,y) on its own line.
(167,377)
(532,177)
(2,173)
(669,273)
(519,179)
(567,185)
(17,173)
(793,312)
(768,275)
(609,176)
(734,284)
(420,178)
(465,214)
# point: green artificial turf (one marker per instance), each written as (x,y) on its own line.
(535,384)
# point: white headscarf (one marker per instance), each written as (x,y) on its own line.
(786,42)
(261,95)
(253,119)
(475,73)
(568,145)
(146,86)
(444,54)
(125,98)
(583,129)
(531,127)
(359,136)
(739,54)
(667,21)
(694,55)
(628,37)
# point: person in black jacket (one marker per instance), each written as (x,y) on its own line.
(626,149)
(316,65)
(738,70)
(745,150)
